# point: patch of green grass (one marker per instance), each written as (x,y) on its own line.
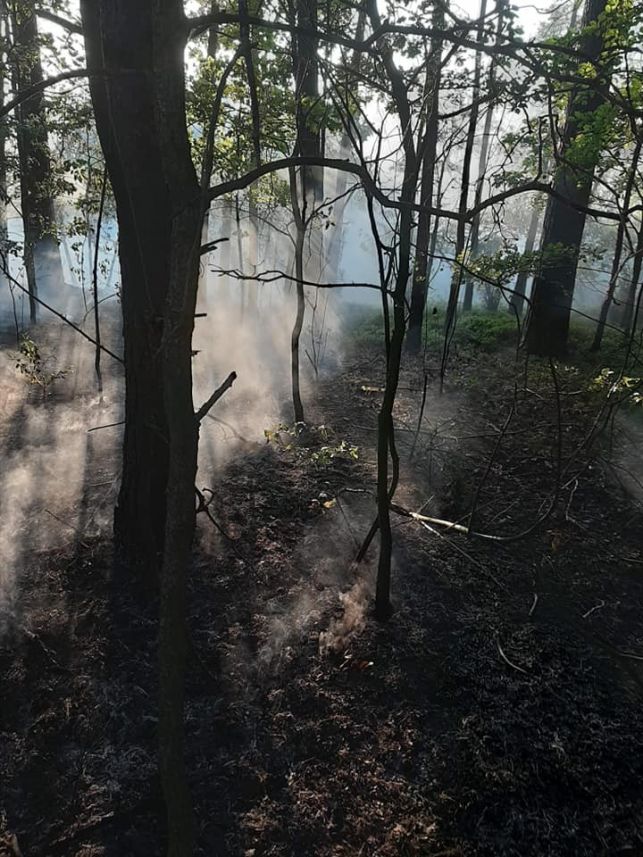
(479,330)
(611,354)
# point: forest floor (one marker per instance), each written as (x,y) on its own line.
(497,713)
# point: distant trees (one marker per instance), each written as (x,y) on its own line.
(41,254)
(428,154)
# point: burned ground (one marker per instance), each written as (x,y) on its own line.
(497,713)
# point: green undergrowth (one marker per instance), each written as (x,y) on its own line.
(481,330)
(477,330)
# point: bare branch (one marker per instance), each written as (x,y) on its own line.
(29,91)
(14,282)
(65,23)
(214,398)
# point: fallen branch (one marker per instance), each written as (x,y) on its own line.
(108,425)
(507,661)
(592,609)
(465,554)
(437,522)
(214,398)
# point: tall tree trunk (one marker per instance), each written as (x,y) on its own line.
(385,422)
(114,37)
(618,250)
(43,263)
(517,301)
(250,64)
(474,236)
(211,53)
(335,244)
(305,67)
(460,242)
(160,214)
(295,336)
(4,194)
(428,153)
(553,289)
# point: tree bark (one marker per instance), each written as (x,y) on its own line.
(385,422)
(420,285)
(4,43)
(139,105)
(305,68)
(553,289)
(116,37)
(295,336)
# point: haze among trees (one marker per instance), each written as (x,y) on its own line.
(321,353)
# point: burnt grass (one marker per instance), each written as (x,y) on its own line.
(496,713)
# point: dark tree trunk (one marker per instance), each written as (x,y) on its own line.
(4,42)
(553,289)
(385,422)
(429,153)
(306,67)
(306,71)
(140,113)
(42,254)
(295,336)
(125,111)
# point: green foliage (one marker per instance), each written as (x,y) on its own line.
(477,330)
(626,387)
(315,444)
(34,367)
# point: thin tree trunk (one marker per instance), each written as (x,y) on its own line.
(385,422)
(474,236)
(42,254)
(250,62)
(618,250)
(456,279)
(305,68)
(517,301)
(336,243)
(300,233)
(428,153)
(99,222)
(4,42)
